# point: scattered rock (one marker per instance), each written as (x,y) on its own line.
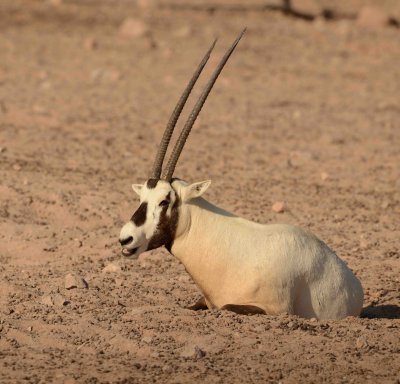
(133,28)
(278,207)
(45,85)
(137,311)
(364,243)
(167,369)
(78,243)
(361,342)
(8,311)
(74,281)
(306,8)
(47,300)
(372,17)
(107,75)
(147,339)
(324,176)
(184,278)
(300,158)
(28,200)
(183,32)
(90,43)
(291,325)
(383,293)
(112,268)
(385,204)
(16,167)
(59,300)
(192,352)
(54,300)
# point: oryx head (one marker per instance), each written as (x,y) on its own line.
(154,222)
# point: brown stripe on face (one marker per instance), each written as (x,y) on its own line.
(139,217)
(152,183)
(166,229)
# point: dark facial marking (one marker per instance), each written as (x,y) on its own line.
(165,233)
(152,183)
(168,197)
(139,217)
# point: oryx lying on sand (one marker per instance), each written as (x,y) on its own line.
(238,265)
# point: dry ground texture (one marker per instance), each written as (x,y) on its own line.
(306,112)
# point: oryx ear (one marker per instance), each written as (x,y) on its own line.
(195,190)
(137,188)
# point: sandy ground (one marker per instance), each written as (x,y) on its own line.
(306,113)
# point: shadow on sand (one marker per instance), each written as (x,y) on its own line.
(381,312)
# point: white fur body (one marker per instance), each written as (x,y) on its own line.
(278,268)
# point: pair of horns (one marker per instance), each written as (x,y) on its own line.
(176,152)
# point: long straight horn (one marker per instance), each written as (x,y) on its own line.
(168,172)
(162,150)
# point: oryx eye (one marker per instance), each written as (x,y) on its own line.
(164,203)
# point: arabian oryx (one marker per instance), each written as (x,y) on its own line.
(238,265)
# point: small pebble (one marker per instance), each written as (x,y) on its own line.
(54,300)
(278,207)
(193,352)
(111,268)
(47,300)
(90,44)
(167,369)
(361,342)
(147,339)
(133,28)
(324,176)
(74,281)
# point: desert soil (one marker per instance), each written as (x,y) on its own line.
(306,113)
